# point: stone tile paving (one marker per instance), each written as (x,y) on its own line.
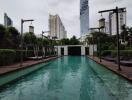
(15,67)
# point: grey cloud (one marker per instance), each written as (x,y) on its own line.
(67,9)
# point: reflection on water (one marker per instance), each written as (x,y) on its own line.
(70,78)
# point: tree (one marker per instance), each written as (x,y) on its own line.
(39,41)
(2,31)
(2,34)
(30,39)
(130,36)
(64,42)
(74,41)
(46,42)
(9,37)
(14,36)
(97,35)
(124,33)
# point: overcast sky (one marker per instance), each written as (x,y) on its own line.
(68,10)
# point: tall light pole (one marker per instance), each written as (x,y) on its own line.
(99,28)
(21,44)
(43,32)
(116,11)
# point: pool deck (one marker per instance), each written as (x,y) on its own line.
(126,71)
(12,68)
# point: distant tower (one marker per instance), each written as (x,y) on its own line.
(112,22)
(84,17)
(7,20)
(56,27)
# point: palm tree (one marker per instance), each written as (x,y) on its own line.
(30,40)
(124,33)
(130,36)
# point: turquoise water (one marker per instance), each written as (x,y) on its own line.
(69,78)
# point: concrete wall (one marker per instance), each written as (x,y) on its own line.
(66,50)
(92,48)
(82,49)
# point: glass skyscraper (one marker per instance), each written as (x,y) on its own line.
(84,17)
(7,20)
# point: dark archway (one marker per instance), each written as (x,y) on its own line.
(87,50)
(74,51)
(62,51)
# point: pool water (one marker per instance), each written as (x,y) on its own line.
(69,78)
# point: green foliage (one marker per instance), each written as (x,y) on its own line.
(64,42)
(26,54)
(9,37)
(113,53)
(30,38)
(106,53)
(2,31)
(96,53)
(128,48)
(7,56)
(13,31)
(14,36)
(46,42)
(74,41)
(124,33)
(39,41)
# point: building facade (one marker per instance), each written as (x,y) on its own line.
(84,17)
(71,50)
(7,20)
(56,27)
(107,28)
(112,22)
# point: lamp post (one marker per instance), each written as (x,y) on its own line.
(92,37)
(43,32)
(99,28)
(116,11)
(21,43)
(42,46)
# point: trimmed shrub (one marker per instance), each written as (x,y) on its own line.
(7,56)
(113,53)
(96,53)
(29,53)
(106,53)
(123,53)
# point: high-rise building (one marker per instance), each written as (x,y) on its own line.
(7,21)
(84,17)
(112,22)
(56,27)
(107,27)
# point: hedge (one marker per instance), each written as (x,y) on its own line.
(7,56)
(113,53)
(29,53)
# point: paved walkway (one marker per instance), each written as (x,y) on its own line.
(125,72)
(15,67)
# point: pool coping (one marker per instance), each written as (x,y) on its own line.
(10,76)
(28,64)
(112,68)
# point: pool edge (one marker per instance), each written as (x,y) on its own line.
(115,71)
(31,67)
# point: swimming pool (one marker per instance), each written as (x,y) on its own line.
(69,78)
